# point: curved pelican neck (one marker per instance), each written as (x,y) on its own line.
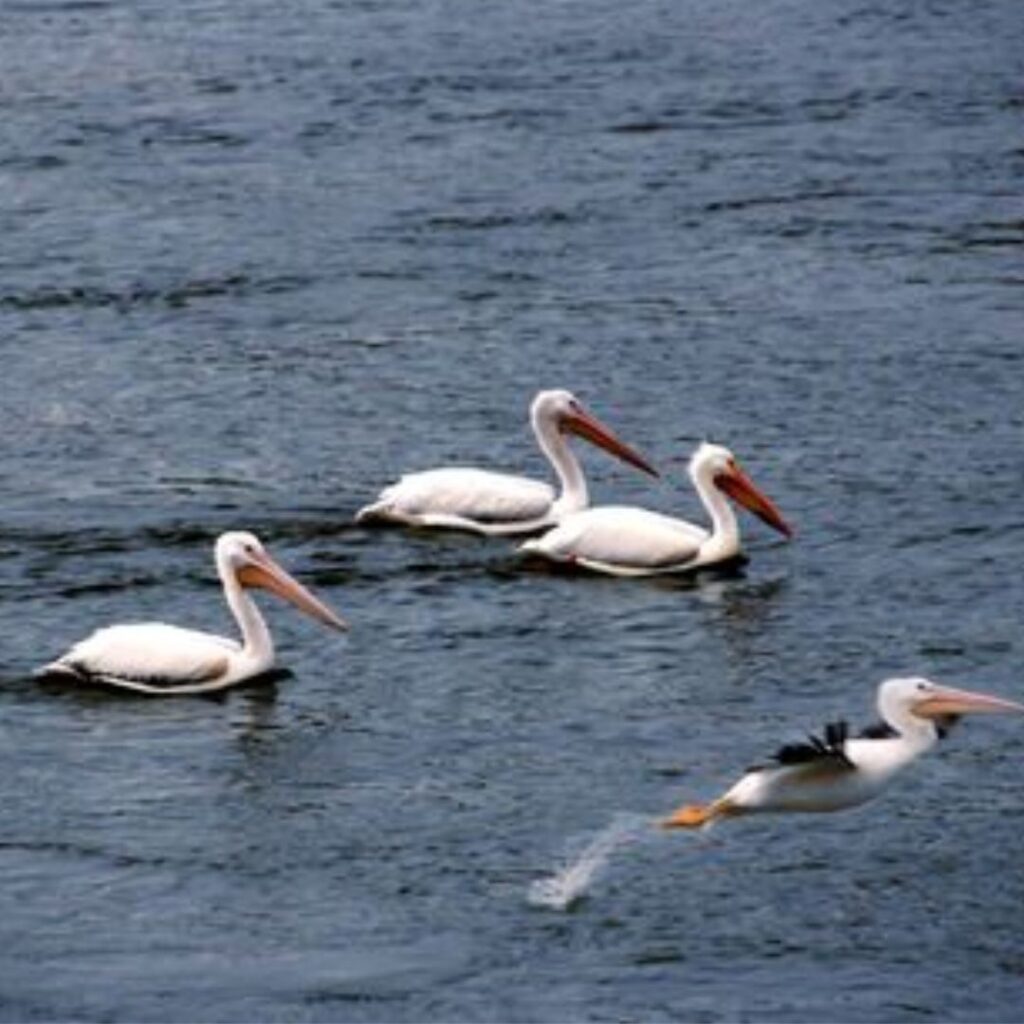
(916,733)
(724,540)
(883,757)
(257,643)
(573,494)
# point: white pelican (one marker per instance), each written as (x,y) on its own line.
(497,503)
(625,541)
(158,659)
(837,772)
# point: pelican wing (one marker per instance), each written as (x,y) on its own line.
(620,537)
(828,751)
(878,731)
(148,652)
(462,493)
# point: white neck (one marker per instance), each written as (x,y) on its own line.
(724,541)
(257,644)
(572,496)
(917,733)
(882,758)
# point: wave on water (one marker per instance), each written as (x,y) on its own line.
(570,883)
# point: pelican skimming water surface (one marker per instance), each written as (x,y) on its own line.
(840,771)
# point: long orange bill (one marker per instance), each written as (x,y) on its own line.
(947,700)
(741,488)
(264,572)
(589,427)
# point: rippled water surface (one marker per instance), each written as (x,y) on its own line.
(257,258)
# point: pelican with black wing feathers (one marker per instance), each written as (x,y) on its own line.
(626,541)
(481,501)
(161,660)
(840,771)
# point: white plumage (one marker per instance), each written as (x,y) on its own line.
(628,541)
(162,660)
(839,772)
(138,651)
(464,498)
(486,502)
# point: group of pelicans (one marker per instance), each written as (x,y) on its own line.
(823,774)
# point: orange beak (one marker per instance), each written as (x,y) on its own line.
(741,488)
(262,571)
(590,428)
(944,701)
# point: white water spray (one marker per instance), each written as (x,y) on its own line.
(562,889)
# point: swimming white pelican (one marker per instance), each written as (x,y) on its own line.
(837,772)
(158,659)
(497,503)
(625,541)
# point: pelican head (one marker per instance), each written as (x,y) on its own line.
(720,465)
(241,555)
(563,412)
(911,702)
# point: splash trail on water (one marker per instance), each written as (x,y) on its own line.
(564,888)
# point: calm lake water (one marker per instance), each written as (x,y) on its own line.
(259,257)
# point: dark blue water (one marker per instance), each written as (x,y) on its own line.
(257,258)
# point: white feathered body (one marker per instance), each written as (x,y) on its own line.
(465,498)
(161,660)
(626,541)
(156,657)
(836,772)
(828,784)
(623,540)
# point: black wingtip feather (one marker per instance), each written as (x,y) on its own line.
(816,748)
